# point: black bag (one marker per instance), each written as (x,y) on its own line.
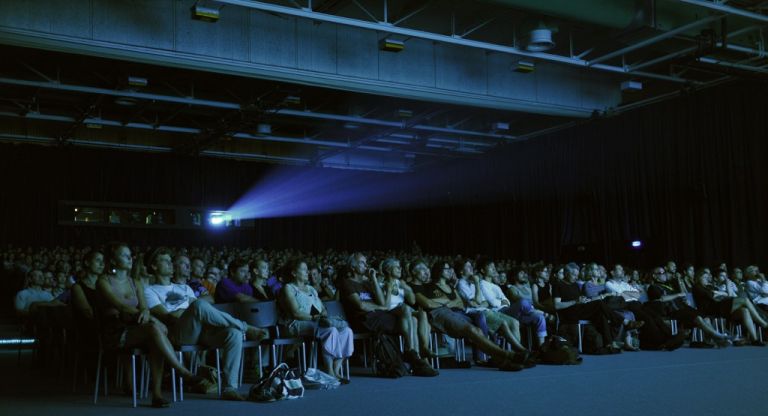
(387,360)
(558,351)
(615,303)
(592,341)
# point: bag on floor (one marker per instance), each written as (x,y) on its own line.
(315,379)
(558,351)
(283,383)
(387,360)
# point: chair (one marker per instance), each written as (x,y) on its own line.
(264,315)
(459,351)
(133,353)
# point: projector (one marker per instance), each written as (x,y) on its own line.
(631,86)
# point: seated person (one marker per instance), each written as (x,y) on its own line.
(322,284)
(194,322)
(196,278)
(212,277)
(445,309)
(261,290)
(303,313)
(725,304)
(33,297)
(363,301)
(236,287)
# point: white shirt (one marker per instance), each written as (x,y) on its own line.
(25,298)
(467,290)
(173,297)
(493,294)
(613,286)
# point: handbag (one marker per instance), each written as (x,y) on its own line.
(283,383)
(315,379)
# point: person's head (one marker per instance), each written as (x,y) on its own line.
(298,271)
(391,268)
(314,274)
(358,264)
(671,267)
(159,263)
(238,271)
(198,268)
(521,277)
(35,278)
(659,274)
(752,272)
(213,274)
(442,271)
(182,268)
(571,273)
(542,273)
(420,272)
(501,279)
(488,268)
(119,257)
(720,276)
(592,271)
(464,268)
(93,263)
(736,275)
(703,277)
(689,271)
(617,273)
(261,269)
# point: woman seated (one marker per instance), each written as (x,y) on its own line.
(84,298)
(322,285)
(756,287)
(725,304)
(304,314)
(127,323)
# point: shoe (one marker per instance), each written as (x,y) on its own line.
(723,342)
(510,365)
(159,403)
(344,381)
(411,357)
(232,395)
(421,368)
(757,343)
(741,342)
(427,353)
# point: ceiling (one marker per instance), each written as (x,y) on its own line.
(70,85)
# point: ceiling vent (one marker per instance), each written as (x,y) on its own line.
(540,40)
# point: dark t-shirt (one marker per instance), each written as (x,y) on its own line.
(566,291)
(432,291)
(363,290)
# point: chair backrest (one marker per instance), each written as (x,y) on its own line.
(334,308)
(226,307)
(259,314)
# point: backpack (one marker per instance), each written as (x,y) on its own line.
(387,360)
(281,384)
(558,351)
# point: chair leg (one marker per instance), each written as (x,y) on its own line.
(133,377)
(98,374)
(218,370)
(580,328)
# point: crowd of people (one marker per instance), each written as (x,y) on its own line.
(158,298)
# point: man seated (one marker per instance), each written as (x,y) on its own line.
(193,322)
(194,276)
(29,300)
(237,286)
(366,311)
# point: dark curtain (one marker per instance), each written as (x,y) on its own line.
(687,176)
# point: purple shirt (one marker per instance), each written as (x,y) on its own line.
(227,289)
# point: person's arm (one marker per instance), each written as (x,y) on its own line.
(477,299)
(560,304)
(377,295)
(410,297)
(354,299)
(428,303)
(243,298)
(388,285)
(80,302)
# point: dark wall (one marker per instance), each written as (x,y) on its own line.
(687,176)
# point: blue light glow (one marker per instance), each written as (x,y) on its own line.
(637,244)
